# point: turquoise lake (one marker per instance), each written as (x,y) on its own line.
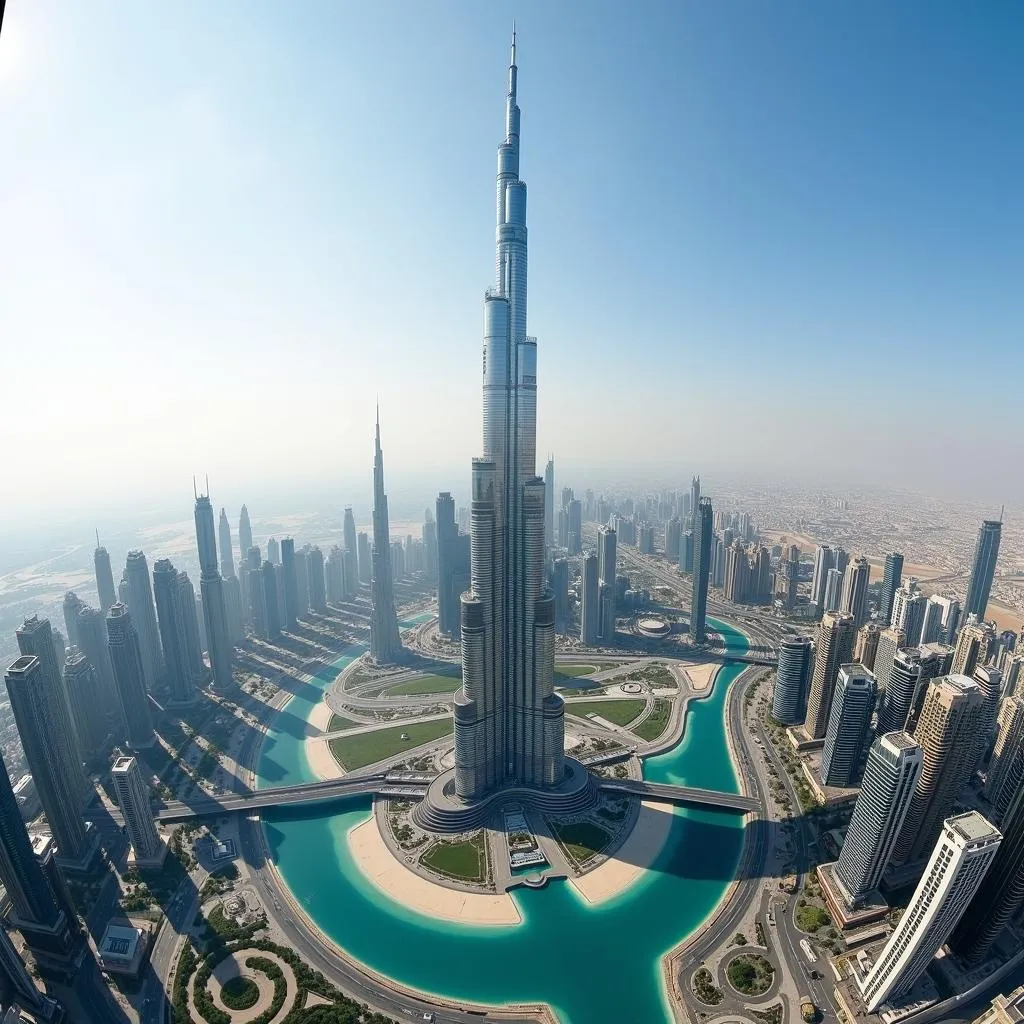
(589,963)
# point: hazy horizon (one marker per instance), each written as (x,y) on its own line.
(781,242)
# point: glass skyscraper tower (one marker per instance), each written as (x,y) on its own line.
(509,722)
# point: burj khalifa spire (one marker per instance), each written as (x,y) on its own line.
(385,643)
(509,722)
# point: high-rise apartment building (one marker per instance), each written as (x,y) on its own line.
(950,617)
(908,611)
(129,675)
(560,591)
(291,597)
(833,590)
(590,603)
(227,558)
(606,539)
(549,503)
(951,716)
(211,586)
(104,576)
(452,565)
(1000,895)
(385,642)
(867,645)
(139,599)
(966,847)
(833,647)
(72,605)
(703,530)
(36,910)
(334,574)
(673,531)
(983,570)
(796,656)
(317,590)
(133,799)
(890,777)
(824,559)
(365,557)
(173,605)
(17,988)
(848,724)
(973,647)
(88,704)
(855,590)
(575,513)
(509,722)
(44,725)
(92,641)
(931,624)
(273,551)
(268,571)
(892,577)
(902,683)
(1006,767)
(351,565)
(244,534)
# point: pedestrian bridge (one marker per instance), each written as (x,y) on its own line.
(411,786)
(690,795)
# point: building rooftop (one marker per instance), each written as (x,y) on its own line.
(120,942)
(122,764)
(41,843)
(973,826)
(899,740)
(23,663)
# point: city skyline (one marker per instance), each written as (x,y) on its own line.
(206,113)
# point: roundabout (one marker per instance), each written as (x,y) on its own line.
(247,986)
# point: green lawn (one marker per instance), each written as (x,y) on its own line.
(465,859)
(571,671)
(810,918)
(581,839)
(353,752)
(621,712)
(339,723)
(425,684)
(656,722)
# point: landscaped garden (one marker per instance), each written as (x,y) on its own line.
(704,988)
(357,751)
(239,993)
(656,722)
(339,723)
(581,840)
(751,974)
(620,712)
(433,683)
(464,859)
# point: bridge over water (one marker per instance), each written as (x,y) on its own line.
(413,786)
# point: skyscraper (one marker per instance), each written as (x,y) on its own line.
(833,647)
(88,704)
(268,571)
(848,723)
(908,611)
(36,911)
(452,565)
(353,573)
(833,590)
(17,985)
(509,722)
(590,600)
(291,598)
(901,684)
(365,563)
(855,590)
(986,552)
(139,599)
(606,582)
(211,586)
(893,765)
(44,725)
(104,575)
(947,730)
(892,577)
(244,534)
(334,575)
(92,640)
(867,645)
(549,503)
(227,558)
(133,799)
(966,847)
(73,604)
(990,682)
(1006,768)
(126,658)
(317,592)
(575,511)
(703,529)
(950,617)
(824,560)
(931,625)
(694,502)
(429,547)
(972,647)
(385,642)
(1000,894)
(273,551)
(560,590)
(174,634)
(796,656)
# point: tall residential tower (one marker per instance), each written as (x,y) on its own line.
(385,643)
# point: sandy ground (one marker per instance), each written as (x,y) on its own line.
(379,865)
(318,752)
(634,857)
(701,676)
(319,719)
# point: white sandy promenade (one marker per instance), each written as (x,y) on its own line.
(318,753)
(701,674)
(633,858)
(394,879)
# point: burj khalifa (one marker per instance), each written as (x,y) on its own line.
(509,722)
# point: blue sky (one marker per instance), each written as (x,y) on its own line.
(778,237)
